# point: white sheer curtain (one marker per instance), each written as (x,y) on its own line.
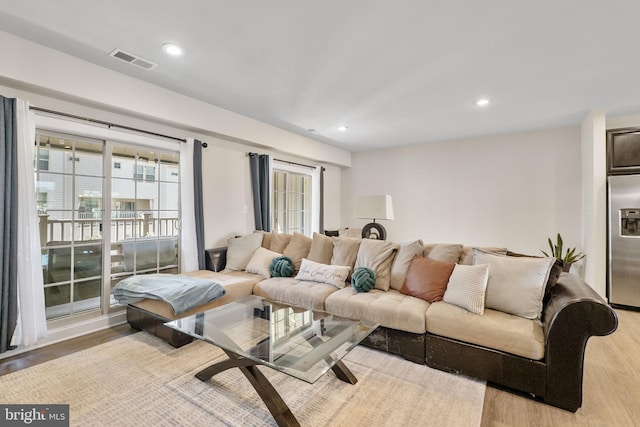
(188,241)
(32,319)
(315,198)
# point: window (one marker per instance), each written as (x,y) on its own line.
(144,173)
(43,160)
(294,207)
(150,173)
(99,225)
(41,201)
(138,173)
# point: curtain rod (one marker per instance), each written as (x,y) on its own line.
(294,163)
(290,163)
(110,125)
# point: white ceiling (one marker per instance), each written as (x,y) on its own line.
(396,73)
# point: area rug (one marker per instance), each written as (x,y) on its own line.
(139,380)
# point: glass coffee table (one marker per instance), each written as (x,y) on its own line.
(255,331)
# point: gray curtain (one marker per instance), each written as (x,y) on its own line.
(259,165)
(8,222)
(198,202)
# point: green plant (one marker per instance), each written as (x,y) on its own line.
(570,255)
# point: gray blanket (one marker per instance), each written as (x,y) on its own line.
(181,292)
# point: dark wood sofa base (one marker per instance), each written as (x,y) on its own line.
(152,323)
(494,366)
(406,344)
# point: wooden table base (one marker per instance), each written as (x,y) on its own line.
(278,408)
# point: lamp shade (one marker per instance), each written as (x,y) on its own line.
(374,207)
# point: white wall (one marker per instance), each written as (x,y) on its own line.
(85,83)
(511,190)
(594,200)
(228,204)
(73,86)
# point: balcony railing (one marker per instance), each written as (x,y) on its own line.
(123,226)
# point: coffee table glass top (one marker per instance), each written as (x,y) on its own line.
(299,342)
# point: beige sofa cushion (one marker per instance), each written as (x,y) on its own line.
(241,249)
(356,233)
(402,261)
(260,262)
(378,256)
(235,285)
(321,249)
(445,252)
(274,288)
(310,295)
(390,309)
(266,238)
(466,257)
(345,252)
(494,329)
(297,249)
(516,284)
(279,241)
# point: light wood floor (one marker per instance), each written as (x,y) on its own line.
(611,389)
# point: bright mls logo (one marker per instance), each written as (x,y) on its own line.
(34,415)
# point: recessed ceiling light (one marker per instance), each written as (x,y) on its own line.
(342,128)
(482,102)
(172,49)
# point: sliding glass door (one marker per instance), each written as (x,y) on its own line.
(145,201)
(107,211)
(69,185)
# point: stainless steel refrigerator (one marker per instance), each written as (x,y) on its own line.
(624,240)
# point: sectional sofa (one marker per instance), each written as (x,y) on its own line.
(512,320)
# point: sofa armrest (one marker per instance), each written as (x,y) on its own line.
(573,313)
(216,259)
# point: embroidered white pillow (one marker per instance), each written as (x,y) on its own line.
(334,275)
(467,286)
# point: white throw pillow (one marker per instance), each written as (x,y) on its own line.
(467,286)
(334,275)
(516,284)
(260,262)
(241,249)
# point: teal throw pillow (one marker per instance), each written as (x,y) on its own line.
(281,266)
(363,279)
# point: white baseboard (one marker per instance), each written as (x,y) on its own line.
(76,329)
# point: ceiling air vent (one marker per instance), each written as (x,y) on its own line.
(133,59)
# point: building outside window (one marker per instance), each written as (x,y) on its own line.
(43,160)
(41,201)
(150,173)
